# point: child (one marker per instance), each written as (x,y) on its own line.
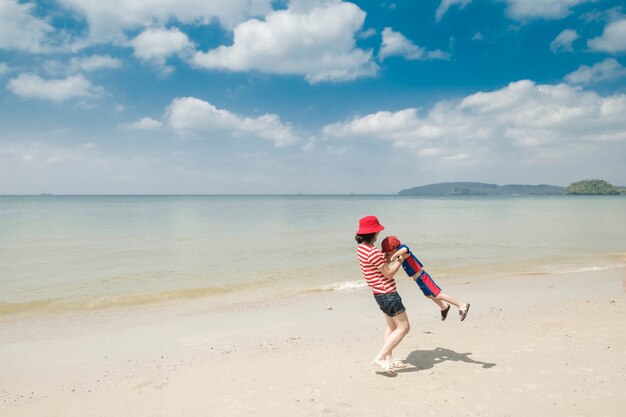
(393,249)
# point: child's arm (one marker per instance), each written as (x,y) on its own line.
(400,253)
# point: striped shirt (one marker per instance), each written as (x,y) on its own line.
(370,259)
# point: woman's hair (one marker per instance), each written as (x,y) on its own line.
(368,238)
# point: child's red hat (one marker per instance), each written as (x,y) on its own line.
(390,243)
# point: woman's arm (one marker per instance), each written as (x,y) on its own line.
(390,269)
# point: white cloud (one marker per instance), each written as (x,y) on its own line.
(189,114)
(157,45)
(609,69)
(145,123)
(525,119)
(314,39)
(43,155)
(20,30)
(56,90)
(336,150)
(541,9)
(564,41)
(79,168)
(4,68)
(108,20)
(94,63)
(613,39)
(396,44)
(608,15)
(446,4)
(366,34)
(55,68)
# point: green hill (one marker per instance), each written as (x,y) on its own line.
(479,188)
(592,187)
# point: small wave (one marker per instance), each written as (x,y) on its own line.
(26,306)
(568,269)
(341,286)
(80,304)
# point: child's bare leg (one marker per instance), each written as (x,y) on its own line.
(438,301)
(451,300)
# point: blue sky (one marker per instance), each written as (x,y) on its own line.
(260,96)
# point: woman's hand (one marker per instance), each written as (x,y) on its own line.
(399,256)
(390,269)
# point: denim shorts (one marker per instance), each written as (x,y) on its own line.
(390,304)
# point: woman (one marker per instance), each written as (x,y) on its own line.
(379,276)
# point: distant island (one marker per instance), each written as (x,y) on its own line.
(479,188)
(585,187)
(593,187)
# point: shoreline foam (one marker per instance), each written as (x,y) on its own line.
(252,292)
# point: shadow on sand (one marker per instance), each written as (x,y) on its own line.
(427,359)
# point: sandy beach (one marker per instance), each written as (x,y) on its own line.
(195,197)
(531,345)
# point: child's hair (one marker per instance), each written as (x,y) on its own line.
(368,238)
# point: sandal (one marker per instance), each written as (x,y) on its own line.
(463,312)
(397,363)
(387,366)
(444,313)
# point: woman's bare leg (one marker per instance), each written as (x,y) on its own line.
(402,327)
(391,326)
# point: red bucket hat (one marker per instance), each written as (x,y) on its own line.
(369,224)
(390,243)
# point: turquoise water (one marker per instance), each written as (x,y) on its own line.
(62,253)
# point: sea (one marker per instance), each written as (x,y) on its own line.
(74,254)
